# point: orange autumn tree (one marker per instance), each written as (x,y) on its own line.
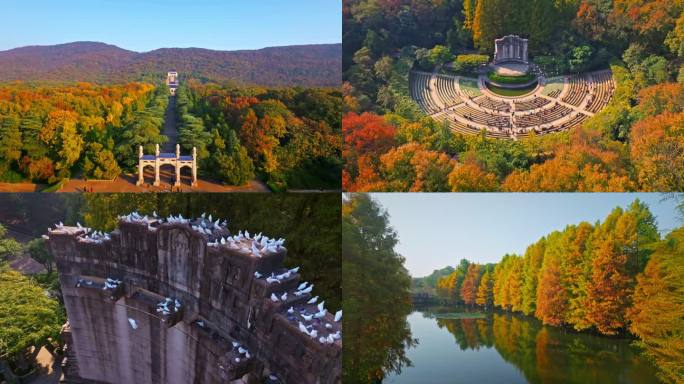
(658,310)
(366,137)
(590,163)
(551,302)
(657,145)
(484,291)
(471,284)
(469,177)
(412,167)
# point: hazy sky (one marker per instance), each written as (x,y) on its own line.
(144,25)
(436,230)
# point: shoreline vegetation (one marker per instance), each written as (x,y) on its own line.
(617,277)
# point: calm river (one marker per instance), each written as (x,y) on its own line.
(508,349)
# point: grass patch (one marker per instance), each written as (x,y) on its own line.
(511,92)
(470,87)
(460,315)
(553,84)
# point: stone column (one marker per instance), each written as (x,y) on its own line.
(141,179)
(156,150)
(157,181)
(177,151)
(177,183)
(194,166)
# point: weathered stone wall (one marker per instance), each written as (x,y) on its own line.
(222,302)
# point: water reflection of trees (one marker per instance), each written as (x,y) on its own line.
(376,295)
(552,355)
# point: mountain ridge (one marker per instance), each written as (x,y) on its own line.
(294,65)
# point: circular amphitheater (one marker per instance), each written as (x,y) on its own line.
(470,107)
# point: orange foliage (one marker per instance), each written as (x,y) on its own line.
(413,168)
(657,147)
(470,177)
(471,284)
(589,163)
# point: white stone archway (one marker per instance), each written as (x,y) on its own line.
(159,159)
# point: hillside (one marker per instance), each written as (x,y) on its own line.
(300,65)
(429,283)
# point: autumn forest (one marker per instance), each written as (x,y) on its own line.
(290,137)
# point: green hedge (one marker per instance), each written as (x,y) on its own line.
(511,79)
(469,63)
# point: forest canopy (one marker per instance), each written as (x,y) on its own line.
(290,137)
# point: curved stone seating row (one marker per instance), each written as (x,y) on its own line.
(531,104)
(568,102)
(545,116)
(481,117)
(579,88)
(447,90)
(420,92)
(489,103)
(601,91)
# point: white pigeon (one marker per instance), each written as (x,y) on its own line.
(338,316)
(312,300)
(294,270)
(308,290)
(303,328)
(257,274)
(322,340)
(302,285)
(274,298)
(307,317)
(235,344)
(154,213)
(313,334)
(331,339)
(78,224)
(290,311)
(255,250)
(328,326)
(321,314)
(336,335)
(272,280)
(133,323)
(284,296)
(246,234)
(321,305)
(242,350)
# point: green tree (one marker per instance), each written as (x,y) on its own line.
(39,252)
(28,319)
(376,336)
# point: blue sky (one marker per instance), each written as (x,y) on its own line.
(144,25)
(436,230)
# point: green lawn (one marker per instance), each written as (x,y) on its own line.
(470,86)
(552,84)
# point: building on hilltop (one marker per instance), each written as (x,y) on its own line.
(174,300)
(172,81)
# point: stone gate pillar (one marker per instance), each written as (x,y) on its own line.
(141,179)
(194,166)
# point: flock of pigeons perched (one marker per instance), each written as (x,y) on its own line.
(307,321)
(168,306)
(311,323)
